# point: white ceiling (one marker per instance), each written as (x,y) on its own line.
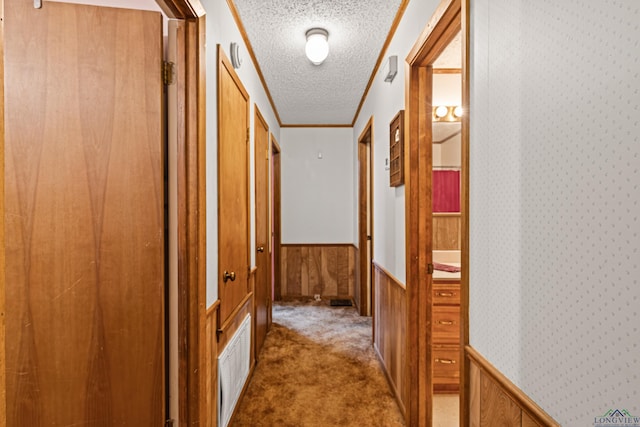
(304,93)
(451,56)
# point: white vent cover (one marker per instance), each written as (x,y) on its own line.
(233,371)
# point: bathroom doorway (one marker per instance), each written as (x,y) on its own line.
(437,310)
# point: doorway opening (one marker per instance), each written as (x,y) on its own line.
(437,324)
(276,233)
(363,292)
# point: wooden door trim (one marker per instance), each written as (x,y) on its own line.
(191,169)
(450,17)
(365,289)
(275,197)
(259,121)
(3,358)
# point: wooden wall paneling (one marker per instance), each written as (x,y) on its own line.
(292,266)
(353,274)
(474,396)
(390,330)
(342,270)
(318,269)
(329,257)
(495,400)
(527,421)
(311,274)
(446,231)
(496,408)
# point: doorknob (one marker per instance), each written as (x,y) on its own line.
(228,276)
(260,249)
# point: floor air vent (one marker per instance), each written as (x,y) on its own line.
(340,302)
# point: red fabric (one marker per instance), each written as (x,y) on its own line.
(446,191)
(446,267)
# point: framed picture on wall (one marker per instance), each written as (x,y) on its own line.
(396,150)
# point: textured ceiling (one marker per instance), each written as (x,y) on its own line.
(304,93)
(451,56)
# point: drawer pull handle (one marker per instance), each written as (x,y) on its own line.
(444,294)
(446,361)
(445,322)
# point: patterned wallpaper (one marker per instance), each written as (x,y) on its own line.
(554,201)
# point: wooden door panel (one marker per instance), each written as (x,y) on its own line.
(84,216)
(233,187)
(263,274)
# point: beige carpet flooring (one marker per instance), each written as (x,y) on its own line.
(318,368)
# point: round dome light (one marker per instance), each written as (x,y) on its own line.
(317,48)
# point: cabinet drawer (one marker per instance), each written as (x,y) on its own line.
(446,325)
(446,364)
(446,294)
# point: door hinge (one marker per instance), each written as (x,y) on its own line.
(168,423)
(248,133)
(168,72)
(429,268)
(267,150)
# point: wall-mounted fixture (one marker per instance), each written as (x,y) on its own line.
(317,48)
(390,68)
(447,113)
(236,59)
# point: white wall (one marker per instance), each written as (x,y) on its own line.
(317,194)
(221,29)
(554,201)
(383,102)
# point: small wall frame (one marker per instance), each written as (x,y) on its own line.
(396,150)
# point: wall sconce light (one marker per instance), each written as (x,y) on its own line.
(446,113)
(391,68)
(317,48)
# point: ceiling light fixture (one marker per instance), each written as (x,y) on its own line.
(317,48)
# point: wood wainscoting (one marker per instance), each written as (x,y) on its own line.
(389,330)
(446,231)
(494,400)
(318,269)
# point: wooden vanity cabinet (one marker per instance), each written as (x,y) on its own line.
(446,336)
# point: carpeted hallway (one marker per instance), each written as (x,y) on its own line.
(318,368)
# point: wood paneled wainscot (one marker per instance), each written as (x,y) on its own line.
(327,270)
(446,231)
(389,329)
(496,401)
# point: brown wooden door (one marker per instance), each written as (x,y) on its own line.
(263,274)
(84,218)
(233,188)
